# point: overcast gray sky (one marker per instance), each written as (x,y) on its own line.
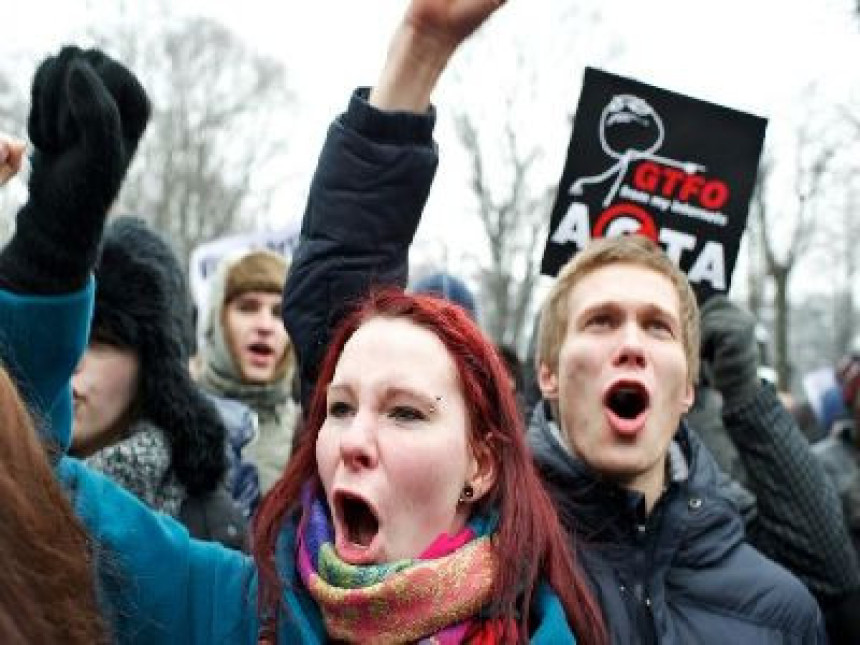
(761,56)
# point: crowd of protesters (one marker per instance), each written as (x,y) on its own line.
(353,460)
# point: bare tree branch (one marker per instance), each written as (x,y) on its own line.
(219,112)
(812,162)
(514,221)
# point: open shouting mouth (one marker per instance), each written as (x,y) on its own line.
(356,528)
(260,350)
(627,404)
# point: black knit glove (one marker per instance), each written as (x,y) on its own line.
(730,351)
(88,113)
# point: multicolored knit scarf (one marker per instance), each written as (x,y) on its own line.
(432,600)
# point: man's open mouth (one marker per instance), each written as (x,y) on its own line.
(357,518)
(627,399)
(261,349)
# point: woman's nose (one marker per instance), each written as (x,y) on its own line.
(358,442)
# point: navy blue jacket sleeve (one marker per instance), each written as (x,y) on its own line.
(366,198)
(799,522)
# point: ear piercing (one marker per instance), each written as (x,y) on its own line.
(467,494)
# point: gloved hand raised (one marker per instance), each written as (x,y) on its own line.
(729,349)
(87,115)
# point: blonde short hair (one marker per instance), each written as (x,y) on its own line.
(629,249)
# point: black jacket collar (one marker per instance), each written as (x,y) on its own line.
(602,512)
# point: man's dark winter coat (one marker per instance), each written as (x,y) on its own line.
(682,574)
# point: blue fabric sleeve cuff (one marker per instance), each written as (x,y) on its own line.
(42,338)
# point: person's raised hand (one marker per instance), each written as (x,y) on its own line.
(729,348)
(11,156)
(87,116)
(451,21)
(427,37)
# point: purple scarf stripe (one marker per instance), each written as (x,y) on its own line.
(316,529)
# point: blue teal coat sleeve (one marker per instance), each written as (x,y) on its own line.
(159,585)
(548,615)
(156,584)
(42,338)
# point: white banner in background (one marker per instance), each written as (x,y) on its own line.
(207,256)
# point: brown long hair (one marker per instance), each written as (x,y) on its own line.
(529,541)
(47,588)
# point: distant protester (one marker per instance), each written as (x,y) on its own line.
(451,288)
(840,451)
(139,418)
(247,355)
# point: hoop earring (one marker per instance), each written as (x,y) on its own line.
(467,494)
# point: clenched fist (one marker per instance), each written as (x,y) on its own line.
(87,115)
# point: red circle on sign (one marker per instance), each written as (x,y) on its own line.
(647,228)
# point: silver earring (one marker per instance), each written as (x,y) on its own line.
(467,494)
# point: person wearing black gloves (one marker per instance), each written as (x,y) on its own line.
(797,520)
(87,116)
(173,589)
(839,452)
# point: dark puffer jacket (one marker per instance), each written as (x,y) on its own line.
(371,183)
(684,573)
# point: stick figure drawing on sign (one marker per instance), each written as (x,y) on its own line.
(630,130)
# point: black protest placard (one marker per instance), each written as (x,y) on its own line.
(645,160)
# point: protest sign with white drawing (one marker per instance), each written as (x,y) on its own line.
(649,161)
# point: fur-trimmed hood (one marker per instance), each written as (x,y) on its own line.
(142,303)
